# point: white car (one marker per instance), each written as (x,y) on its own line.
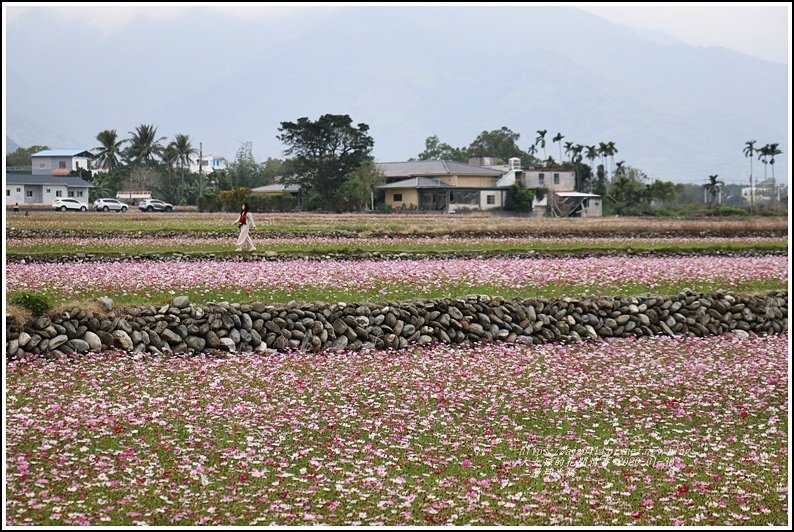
(109,204)
(155,205)
(64,204)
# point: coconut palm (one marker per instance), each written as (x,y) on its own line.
(714,186)
(541,140)
(558,139)
(773,150)
(749,151)
(184,149)
(109,149)
(144,146)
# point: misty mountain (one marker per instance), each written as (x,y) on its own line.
(676,111)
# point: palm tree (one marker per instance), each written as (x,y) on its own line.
(619,169)
(713,187)
(576,158)
(764,152)
(144,145)
(184,149)
(749,151)
(568,149)
(558,139)
(611,151)
(591,152)
(541,139)
(170,157)
(603,151)
(532,150)
(110,149)
(772,152)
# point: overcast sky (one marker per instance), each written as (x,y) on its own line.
(760,29)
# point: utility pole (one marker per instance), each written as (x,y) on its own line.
(201,175)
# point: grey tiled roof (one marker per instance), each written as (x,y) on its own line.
(25,179)
(417,182)
(429,168)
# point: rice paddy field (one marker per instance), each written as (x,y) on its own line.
(635,431)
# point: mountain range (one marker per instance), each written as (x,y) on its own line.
(676,111)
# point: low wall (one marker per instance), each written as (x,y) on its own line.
(182,328)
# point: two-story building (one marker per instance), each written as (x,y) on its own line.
(45,162)
(445,186)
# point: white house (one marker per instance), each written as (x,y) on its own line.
(209,163)
(45,162)
(44,189)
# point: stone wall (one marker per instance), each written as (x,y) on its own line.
(182,328)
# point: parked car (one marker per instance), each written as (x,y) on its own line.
(64,204)
(155,205)
(109,204)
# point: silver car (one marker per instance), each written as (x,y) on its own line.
(69,204)
(109,204)
(155,205)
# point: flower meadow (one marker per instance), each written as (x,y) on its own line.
(387,279)
(143,242)
(654,431)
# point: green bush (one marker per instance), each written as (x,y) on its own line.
(519,198)
(37,304)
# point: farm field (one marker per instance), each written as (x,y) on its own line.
(655,431)
(145,282)
(148,243)
(431,224)
(634,431)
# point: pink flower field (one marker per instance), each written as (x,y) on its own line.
(384,276)
(658,431)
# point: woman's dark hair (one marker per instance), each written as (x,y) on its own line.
(244,205)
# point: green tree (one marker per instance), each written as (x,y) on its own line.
(713,187)
(627,190)
(325,152)
(500,143)
(591,152)
(356,192)
(663,191)
(519,198)
(244,171)
(19,162)
(144,145)
(110,151)
(436,150)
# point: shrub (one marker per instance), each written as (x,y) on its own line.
(37,304)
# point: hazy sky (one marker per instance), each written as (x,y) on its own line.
(408,71)
(760,29)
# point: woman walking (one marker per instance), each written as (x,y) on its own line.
(244,222)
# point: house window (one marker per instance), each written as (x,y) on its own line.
(71,193)
(42,165)
(58,193)
(48,191)
(29,193)
(8,192)
(556,179)
(19,190)
(596,203)
(80,194)
(61,164)
(542,179)
(491,199)
(398,197)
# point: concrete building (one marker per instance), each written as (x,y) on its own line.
(44,189)
(444,186)
(47,161)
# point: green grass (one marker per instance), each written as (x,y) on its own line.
(399,292)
